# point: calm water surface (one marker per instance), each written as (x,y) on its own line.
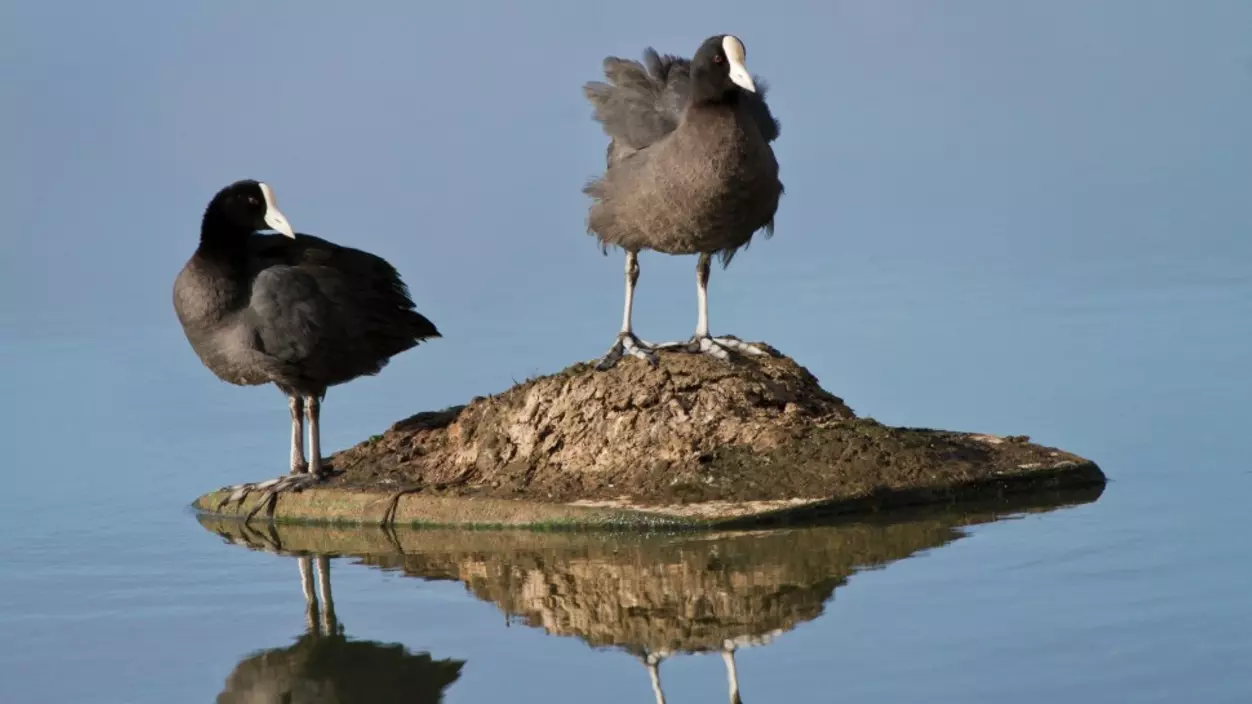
(1013,217)
(114,592)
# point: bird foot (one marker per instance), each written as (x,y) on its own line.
(289,483)
(719,347)
(393,505)
(656,658)
(627,344)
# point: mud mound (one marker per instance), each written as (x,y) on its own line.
(692,430)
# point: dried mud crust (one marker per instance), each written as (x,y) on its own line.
(694,429)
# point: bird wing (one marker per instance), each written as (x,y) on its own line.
(632,105)
(364,283)
(643,102)
(309,289)
(288,312)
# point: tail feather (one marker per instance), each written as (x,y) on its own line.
(421,328)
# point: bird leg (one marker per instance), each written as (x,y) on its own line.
(296,403)
(703,343)
(626,342)
(313,413)
(303,474)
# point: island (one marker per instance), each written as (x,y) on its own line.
(692,442)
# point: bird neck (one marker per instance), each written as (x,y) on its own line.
(221,239)
(709,93)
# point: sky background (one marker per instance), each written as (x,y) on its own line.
(1007,216)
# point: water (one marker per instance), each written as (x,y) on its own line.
(1139,595)
(1012,219)
(653,597)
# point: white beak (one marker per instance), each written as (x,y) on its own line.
(273,216)
(739,74)
(736,57)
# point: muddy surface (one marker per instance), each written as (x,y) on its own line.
(692,430)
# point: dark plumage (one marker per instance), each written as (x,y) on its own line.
(293,310)
(326,667)
(689,170)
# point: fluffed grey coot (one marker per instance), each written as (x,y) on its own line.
(689,170)
(289,309)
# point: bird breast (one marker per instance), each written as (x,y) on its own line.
(702,190)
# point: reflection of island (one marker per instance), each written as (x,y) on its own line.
(325,667)
(652,595)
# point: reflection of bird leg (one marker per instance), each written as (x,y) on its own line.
(330,624)
(653,661)
(655,674)
(310,597)
(318,619)
(732,673)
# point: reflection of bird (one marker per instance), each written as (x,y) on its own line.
(732,672)
(293,310)
(690,171)
(652,660)
(325,667)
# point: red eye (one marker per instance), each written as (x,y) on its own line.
(717,58)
